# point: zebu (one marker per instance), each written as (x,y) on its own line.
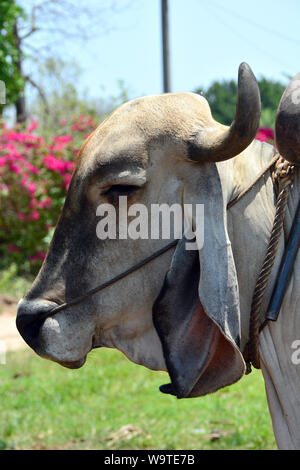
(169,149)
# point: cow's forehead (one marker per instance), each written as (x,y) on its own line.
(127,132)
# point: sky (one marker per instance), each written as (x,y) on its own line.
(209,39)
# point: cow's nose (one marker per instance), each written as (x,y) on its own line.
(30,317)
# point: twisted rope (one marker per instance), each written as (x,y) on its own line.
(282,177)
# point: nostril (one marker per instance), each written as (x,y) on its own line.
(29,330)
(30,317)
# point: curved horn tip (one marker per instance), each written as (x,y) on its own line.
(225,144)
(248,103)
(246,74)
(245,68)
(287,125)
(247,78)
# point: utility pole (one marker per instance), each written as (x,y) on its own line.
(165,45)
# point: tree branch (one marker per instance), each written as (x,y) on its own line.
(40,91)
(33,30)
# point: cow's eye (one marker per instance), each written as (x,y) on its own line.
(120,190)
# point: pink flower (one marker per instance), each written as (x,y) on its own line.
(32,127)
(60,142)
(7,146)
(31,187)
(21,216)
(34,215)
(69,166)
(27,139)
(63,138)
(14,249)
(39,256)
(67,179)
(265,134)
(82,123)
(32,168)
(46,203)
(54,164)
(3,161)
(34,203)
(14,155)
(15,168)
(33,258)
(63,122)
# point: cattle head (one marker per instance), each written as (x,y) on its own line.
(179,312)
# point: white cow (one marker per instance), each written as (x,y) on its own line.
(186,312)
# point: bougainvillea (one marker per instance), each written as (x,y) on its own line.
(34,178)
(265,134)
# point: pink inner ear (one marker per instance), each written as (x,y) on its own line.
(214,352)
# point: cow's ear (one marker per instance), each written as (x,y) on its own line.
(200,354)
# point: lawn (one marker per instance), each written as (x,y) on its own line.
(113,404)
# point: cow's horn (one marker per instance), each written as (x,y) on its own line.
(287,126)
(222,142)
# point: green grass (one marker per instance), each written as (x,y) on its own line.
(43,405)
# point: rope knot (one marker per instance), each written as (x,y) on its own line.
(282,174)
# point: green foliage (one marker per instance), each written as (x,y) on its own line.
(13,285)
(112,403)
(222,100)
(9,52)
(271,92)
(267,118)
(221,96)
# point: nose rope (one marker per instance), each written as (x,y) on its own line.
(117,278)
(157,253)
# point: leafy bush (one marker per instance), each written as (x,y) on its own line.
(34,176)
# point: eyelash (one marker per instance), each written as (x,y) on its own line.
(120,190)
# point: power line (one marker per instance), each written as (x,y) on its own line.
(246,39)
(264,28)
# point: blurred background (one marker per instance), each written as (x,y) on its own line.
(64,66)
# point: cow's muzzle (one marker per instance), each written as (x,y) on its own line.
(31,316)
(47,340)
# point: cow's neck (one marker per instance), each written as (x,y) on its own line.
(250,223)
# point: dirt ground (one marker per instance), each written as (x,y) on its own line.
(8,331)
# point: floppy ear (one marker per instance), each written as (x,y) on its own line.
(196,314)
